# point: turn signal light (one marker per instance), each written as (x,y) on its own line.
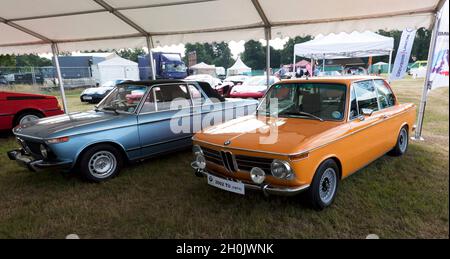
(57,140)
(299,156)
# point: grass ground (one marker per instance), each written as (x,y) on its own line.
(404,197)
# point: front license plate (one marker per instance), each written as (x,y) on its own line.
(87,97)
(226,184)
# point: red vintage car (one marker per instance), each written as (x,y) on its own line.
(17,108)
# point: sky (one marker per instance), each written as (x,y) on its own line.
(235,47)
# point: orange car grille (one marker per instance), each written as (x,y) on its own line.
(234,163)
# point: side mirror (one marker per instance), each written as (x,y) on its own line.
(367,112)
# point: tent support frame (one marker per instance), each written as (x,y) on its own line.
(60,78)
(150,56)
(428,84)
(390,65)
(268,37)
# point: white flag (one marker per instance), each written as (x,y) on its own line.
(439,66)
(403,54)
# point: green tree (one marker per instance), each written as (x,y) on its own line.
(131,54)
(287,53)
(222,55)
(7,61)
(32,60)
(254,55)
(216,53)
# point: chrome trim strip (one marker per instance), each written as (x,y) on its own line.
(303,152)
(266,188)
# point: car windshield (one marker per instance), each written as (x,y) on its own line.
(320,101)
(124,98)
(175,67)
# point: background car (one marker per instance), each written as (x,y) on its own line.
(418,69)
(355,70)
(228,83)
(254,87)
(96,94)
(18,108)
(3,81)
(212,81)
(132,123)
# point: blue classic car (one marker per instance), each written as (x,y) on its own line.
(136,120)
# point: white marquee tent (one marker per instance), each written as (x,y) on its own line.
(345,45)
(66,25)
(203,68)
(115,68)
(239,68)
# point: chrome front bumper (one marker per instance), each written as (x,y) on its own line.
(267,189)
(27,161)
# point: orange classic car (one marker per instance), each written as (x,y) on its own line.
(306,135)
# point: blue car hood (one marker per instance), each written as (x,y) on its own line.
(67,125)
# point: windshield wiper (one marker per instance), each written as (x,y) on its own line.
(108,108)
(303,114)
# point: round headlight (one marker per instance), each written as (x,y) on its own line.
(44,151)
(258,175)
(281,169)
(196,150)
(201,161)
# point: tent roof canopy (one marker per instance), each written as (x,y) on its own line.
(239,65)
(117,61)
(31,26)
(203,65)
(345,45)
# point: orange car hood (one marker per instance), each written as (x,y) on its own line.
(293,135)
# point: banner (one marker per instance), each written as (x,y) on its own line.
(439,67)
(403,54)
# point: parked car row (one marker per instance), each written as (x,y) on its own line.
(316,133)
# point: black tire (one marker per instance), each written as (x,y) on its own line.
(328,167)
(21,115)
(90,159)
(401,147)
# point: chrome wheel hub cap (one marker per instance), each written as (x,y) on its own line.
(328,185)
(28,118)
(403,140)
(102,164)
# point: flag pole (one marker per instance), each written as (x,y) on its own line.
(428,84)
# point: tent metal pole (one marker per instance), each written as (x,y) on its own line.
(390,66)
(150,57)
(60,79)
(428,84)
(293,64)
(268,55)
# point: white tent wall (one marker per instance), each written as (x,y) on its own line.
(115,69)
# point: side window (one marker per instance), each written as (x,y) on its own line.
(367,97)
(196,96)
(161,98)
(149,104)
(385,96)
(354,113)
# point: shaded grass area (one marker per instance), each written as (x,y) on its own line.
(393,197)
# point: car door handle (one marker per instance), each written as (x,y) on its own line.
(385,117)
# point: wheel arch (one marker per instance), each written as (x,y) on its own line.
(116,145)
(24,111)
(335,159)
